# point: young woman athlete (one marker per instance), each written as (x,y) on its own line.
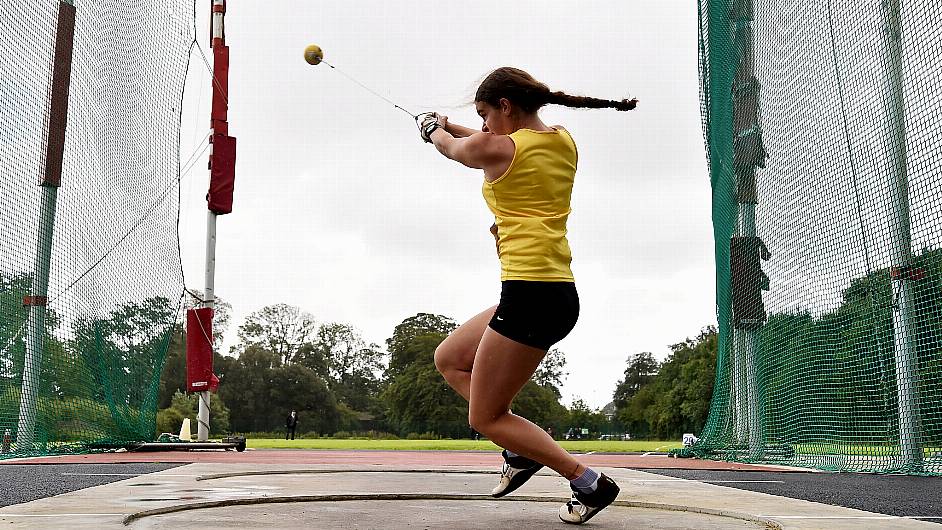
(529,169)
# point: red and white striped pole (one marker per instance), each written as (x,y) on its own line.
(200,376)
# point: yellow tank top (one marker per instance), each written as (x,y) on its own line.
(530,203)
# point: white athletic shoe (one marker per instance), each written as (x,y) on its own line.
(511,476)
(584,506)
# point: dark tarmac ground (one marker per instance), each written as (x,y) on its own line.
(25,482)
(899,495)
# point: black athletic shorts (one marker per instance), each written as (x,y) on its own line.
(538,314)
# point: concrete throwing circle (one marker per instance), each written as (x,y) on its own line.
(421,512)
(392,509)
(386,511)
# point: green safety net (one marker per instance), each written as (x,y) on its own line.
(82,371)
(823,128)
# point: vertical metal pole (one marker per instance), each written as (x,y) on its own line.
(36,301)
(747,154)
(737,387)
(902,255)
(202,420)
(218,37)
(748,341)
(36,322)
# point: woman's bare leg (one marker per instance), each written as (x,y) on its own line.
(501,367)
(454,357)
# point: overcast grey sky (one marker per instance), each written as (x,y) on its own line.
(342,210)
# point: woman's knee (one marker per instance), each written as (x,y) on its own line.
(481,419)
(477,422)
(451,355)
(442,357)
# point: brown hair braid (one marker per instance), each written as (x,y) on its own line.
(521,89)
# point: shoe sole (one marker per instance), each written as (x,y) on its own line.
(519,480)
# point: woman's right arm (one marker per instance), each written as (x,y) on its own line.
(458,131)
(480,150)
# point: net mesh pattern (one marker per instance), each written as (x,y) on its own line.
(114,280)
(822,126)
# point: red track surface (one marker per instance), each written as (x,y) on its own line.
(425,459)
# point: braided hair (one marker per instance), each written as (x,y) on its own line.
(521,89)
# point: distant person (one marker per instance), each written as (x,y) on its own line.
(549,431)
(529,170)
(291,424)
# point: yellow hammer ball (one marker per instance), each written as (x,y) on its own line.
(313,54)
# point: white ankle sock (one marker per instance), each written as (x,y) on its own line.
(587,482)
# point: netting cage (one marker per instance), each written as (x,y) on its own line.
(822,124)
(90,277)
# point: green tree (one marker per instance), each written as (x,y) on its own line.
(353,366)
(550,373)
(677,399)
(640,371)
(581,416)
(59,375)
(169,421)
(281,328)
(297,387)
(173,377)
(634,415)
(187,406)
(12,326)
(246,389)
(540,404)
(419,400)
(125,354)
(261,391)
(402,346)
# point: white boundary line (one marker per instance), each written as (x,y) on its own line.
(124,474)
(3,515)
(879,517)
(711,481)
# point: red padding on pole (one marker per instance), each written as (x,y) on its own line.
(222,176)
(220,82)
(59,95)
(199,351)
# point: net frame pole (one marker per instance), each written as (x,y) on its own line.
(737,386)
(36,322)
(747,154)
(747,341)
(52,177)
(202,418)
(217,38)
(904,302)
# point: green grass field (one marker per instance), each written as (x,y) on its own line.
(453,445)
(858,450)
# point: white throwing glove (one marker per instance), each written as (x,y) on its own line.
(427,123)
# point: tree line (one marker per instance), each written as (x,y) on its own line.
(117,375)
(337,381)
(105,376)
(284,360)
